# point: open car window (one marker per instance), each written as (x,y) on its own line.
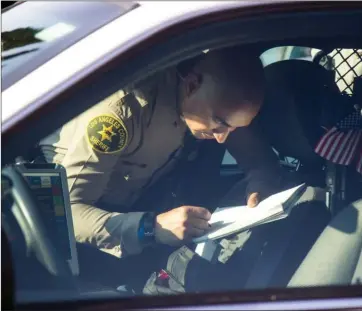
(82,202)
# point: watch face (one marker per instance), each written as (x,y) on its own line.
(149,230)
(149,226)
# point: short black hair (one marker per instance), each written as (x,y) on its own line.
(238,69)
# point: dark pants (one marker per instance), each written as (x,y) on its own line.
(105,269)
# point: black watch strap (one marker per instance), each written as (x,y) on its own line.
(148,224)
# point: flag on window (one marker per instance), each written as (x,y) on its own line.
(342,144)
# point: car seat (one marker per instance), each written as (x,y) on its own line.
(307,97)
(288,241)
(336,257)
(296,94)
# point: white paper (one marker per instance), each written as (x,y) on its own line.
(278,198)
(229,220)
(206,249)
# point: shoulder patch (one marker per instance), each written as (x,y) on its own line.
(107,134)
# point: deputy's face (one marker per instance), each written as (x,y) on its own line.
(210,116)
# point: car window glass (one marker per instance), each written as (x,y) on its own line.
(39,30)
(101,132)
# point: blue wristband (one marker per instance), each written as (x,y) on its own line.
(141,230)
(146,230)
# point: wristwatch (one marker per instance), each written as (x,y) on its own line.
(146,232)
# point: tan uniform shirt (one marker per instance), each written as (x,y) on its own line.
(111,152)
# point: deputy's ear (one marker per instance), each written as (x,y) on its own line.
(192,83)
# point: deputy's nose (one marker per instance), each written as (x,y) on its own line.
(221,137)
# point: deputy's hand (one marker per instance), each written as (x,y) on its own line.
(181,224)
(254,199)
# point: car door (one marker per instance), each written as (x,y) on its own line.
(81,82)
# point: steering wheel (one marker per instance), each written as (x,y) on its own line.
(26,211)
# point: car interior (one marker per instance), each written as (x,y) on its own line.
(40,267)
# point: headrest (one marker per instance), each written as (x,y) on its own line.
(300,74)
(295,97)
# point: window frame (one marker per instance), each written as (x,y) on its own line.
(96,86)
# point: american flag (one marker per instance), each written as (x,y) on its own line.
(342,144)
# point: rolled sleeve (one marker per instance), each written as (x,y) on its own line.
(113,233)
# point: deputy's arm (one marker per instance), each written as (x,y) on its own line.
(257,159)
(89,147)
